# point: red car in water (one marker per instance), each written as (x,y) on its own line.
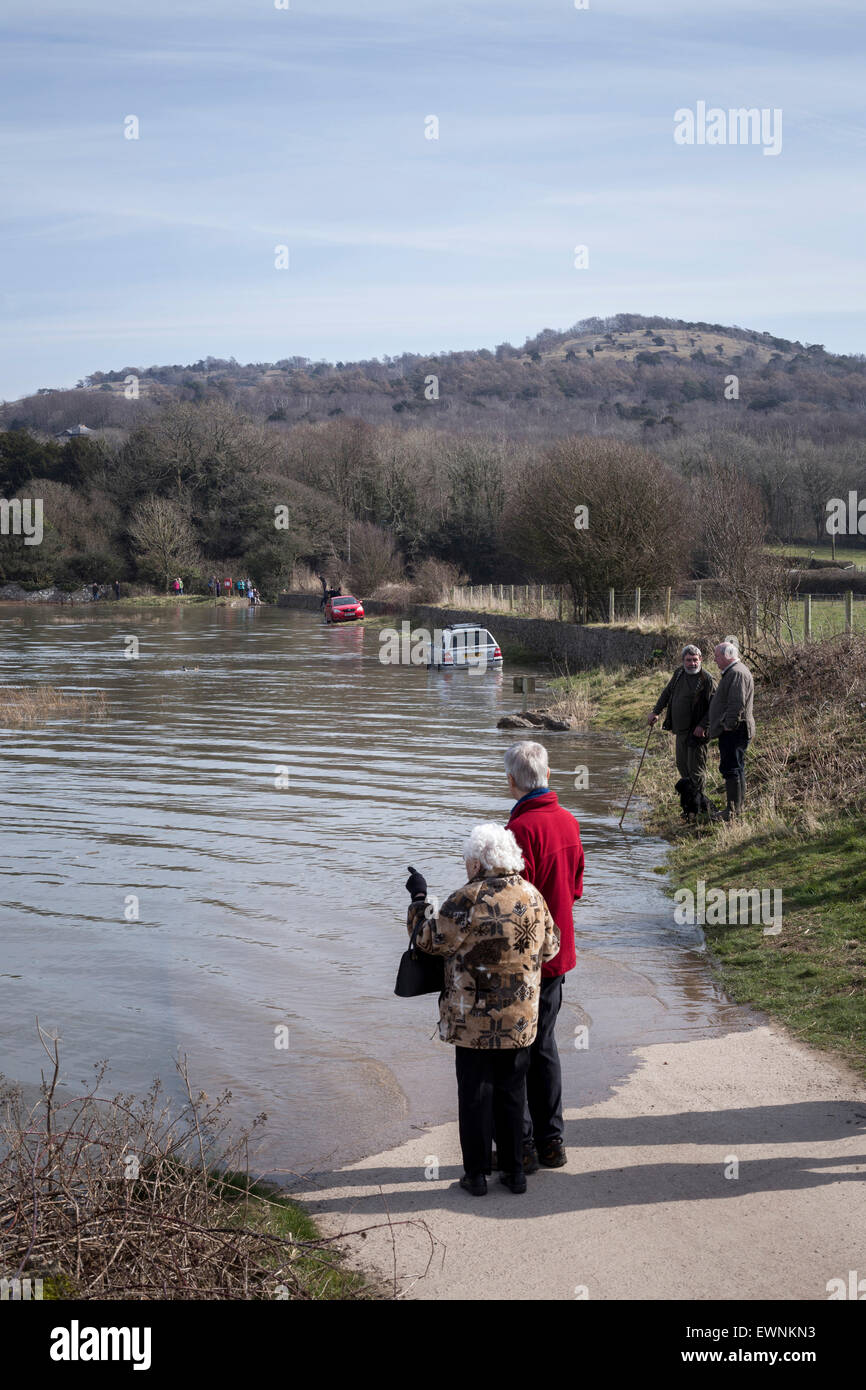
(342,608)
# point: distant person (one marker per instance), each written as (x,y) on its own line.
(687,698)
(94,592)
(324,583)
(241,587)
(549,838)
(218,587)
(495,933)
(117,588)
(732,721)
(210,586)
(180,585)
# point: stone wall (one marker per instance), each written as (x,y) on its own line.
(569,645)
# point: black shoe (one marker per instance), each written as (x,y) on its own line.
(476,1183)
(552,1154)
(530,1157)
(516,1182)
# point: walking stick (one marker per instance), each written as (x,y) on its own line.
(637,775)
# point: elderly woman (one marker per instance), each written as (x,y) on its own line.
(495,933)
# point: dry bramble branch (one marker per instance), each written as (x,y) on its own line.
(119,1198)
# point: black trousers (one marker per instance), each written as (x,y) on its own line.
(543,1117)
(491,1097)
(732,753)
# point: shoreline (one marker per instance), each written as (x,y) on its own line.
(701,1150)
(717,1120)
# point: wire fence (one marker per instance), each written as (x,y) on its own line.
(794,618)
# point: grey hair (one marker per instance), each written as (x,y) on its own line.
(527,763)
(495,848)
(729,650)
(690,648)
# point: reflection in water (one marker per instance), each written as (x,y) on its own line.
(261,904)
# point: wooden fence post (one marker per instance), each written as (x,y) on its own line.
(807,617)
(637,605)
(511,598)
(697,603)
(560,603)
(611,605)
(668,606)
(849,611)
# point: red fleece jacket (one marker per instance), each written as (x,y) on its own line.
(549,837)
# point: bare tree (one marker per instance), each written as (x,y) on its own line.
(163,537)
(752,585)
(375,559)
(634,530)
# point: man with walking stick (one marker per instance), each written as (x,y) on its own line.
(687,698)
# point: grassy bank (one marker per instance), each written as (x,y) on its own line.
(802,833)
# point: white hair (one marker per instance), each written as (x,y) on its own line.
(495,848)
(527,763)
(695,651)
(729,650)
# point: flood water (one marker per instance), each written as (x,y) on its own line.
(264,905)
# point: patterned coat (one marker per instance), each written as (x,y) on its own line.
(494,933)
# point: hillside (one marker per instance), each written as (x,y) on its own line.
(628,375)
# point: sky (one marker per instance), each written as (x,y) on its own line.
(306,127)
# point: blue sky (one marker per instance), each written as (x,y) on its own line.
(306,127)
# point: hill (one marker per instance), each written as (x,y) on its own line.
(629,375)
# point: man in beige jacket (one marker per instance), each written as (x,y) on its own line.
(731,721)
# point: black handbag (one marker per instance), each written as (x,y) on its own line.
(419,972)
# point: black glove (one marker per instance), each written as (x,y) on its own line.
(416,885)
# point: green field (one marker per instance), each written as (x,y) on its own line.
(847,554)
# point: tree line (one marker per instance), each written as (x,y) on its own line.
(195,488)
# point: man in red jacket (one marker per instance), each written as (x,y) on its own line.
(549,837)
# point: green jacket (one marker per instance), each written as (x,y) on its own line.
(700,700)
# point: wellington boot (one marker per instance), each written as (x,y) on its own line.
(732,794)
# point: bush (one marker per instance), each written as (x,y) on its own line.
(375,560)
(434,580)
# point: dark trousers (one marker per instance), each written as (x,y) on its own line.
(543,1117)
(732,753)
(691,755)
(491,1096)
